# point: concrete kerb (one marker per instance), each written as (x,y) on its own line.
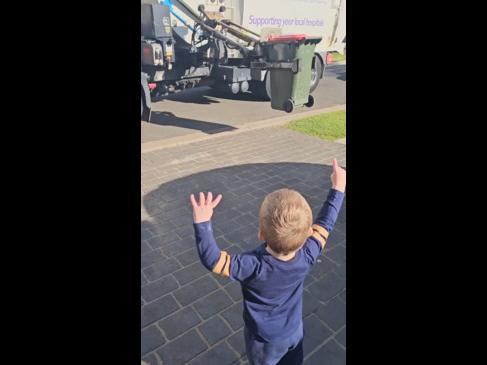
(267,123)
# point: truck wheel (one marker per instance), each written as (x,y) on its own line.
(316,70)
(144,111)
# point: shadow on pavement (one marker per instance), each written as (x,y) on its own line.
(339,71)
(207,95)
(247,96)
(167,245)
(200,95)
(168,118)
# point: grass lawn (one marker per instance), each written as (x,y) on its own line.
(328,126)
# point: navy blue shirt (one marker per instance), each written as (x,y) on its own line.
(272,289)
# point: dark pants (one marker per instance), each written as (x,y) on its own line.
(286,352)
(293,356)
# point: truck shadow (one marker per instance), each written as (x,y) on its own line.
(205,95)
(167,118)
(167,238)
(247,96)
(200,95)
(338,71)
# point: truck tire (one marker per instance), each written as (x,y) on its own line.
(316,70)
(144,111)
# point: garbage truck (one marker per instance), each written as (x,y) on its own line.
(325,18)
(190,43)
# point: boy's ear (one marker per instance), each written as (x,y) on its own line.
(260,235)
(310,233)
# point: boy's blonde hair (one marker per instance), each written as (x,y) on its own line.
(285,219)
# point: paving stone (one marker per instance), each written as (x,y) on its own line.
(237,342)
(214,330)
(161,268)
(188,257)
(330,353)
(315,333)
(182,349)
(341,271)
(151,360)
(338,255)
(151,338)
(234,316)
(190,273)
(322,266)
(310,303)
(164,239)
(179,322)
(158,288)
(177,247)
(341,337)
(327,287)
(234,290)
(185,232)
(144,248)
(220,354)
(143,280)
(333,313)
(336,237)
(309,280)
(157,310)
(195,290)
(213,304)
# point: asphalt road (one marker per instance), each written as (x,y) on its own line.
(200,110)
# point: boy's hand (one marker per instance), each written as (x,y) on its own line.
(203,210)
(338,177)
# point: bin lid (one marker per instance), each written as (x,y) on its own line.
(287,38)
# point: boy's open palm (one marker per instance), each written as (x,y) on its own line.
(338,177)
(203,210)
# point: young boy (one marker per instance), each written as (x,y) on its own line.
(272,275)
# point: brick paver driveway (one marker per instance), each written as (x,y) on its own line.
(191,316)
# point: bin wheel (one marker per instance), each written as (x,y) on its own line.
(311,101)
(288,106)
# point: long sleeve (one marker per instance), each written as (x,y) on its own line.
(236,267)
(324,223)
(208,250)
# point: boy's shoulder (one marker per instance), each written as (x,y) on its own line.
(257,264)
(248,264)
(259,256)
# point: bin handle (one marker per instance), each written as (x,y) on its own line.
(294,65)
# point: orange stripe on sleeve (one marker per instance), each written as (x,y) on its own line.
(322,231)
(319,238)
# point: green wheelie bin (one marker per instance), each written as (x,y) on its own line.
(289,59)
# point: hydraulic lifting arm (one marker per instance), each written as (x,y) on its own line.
(234,29)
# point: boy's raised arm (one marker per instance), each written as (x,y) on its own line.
(325,221)
(236,267)
(210,254)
